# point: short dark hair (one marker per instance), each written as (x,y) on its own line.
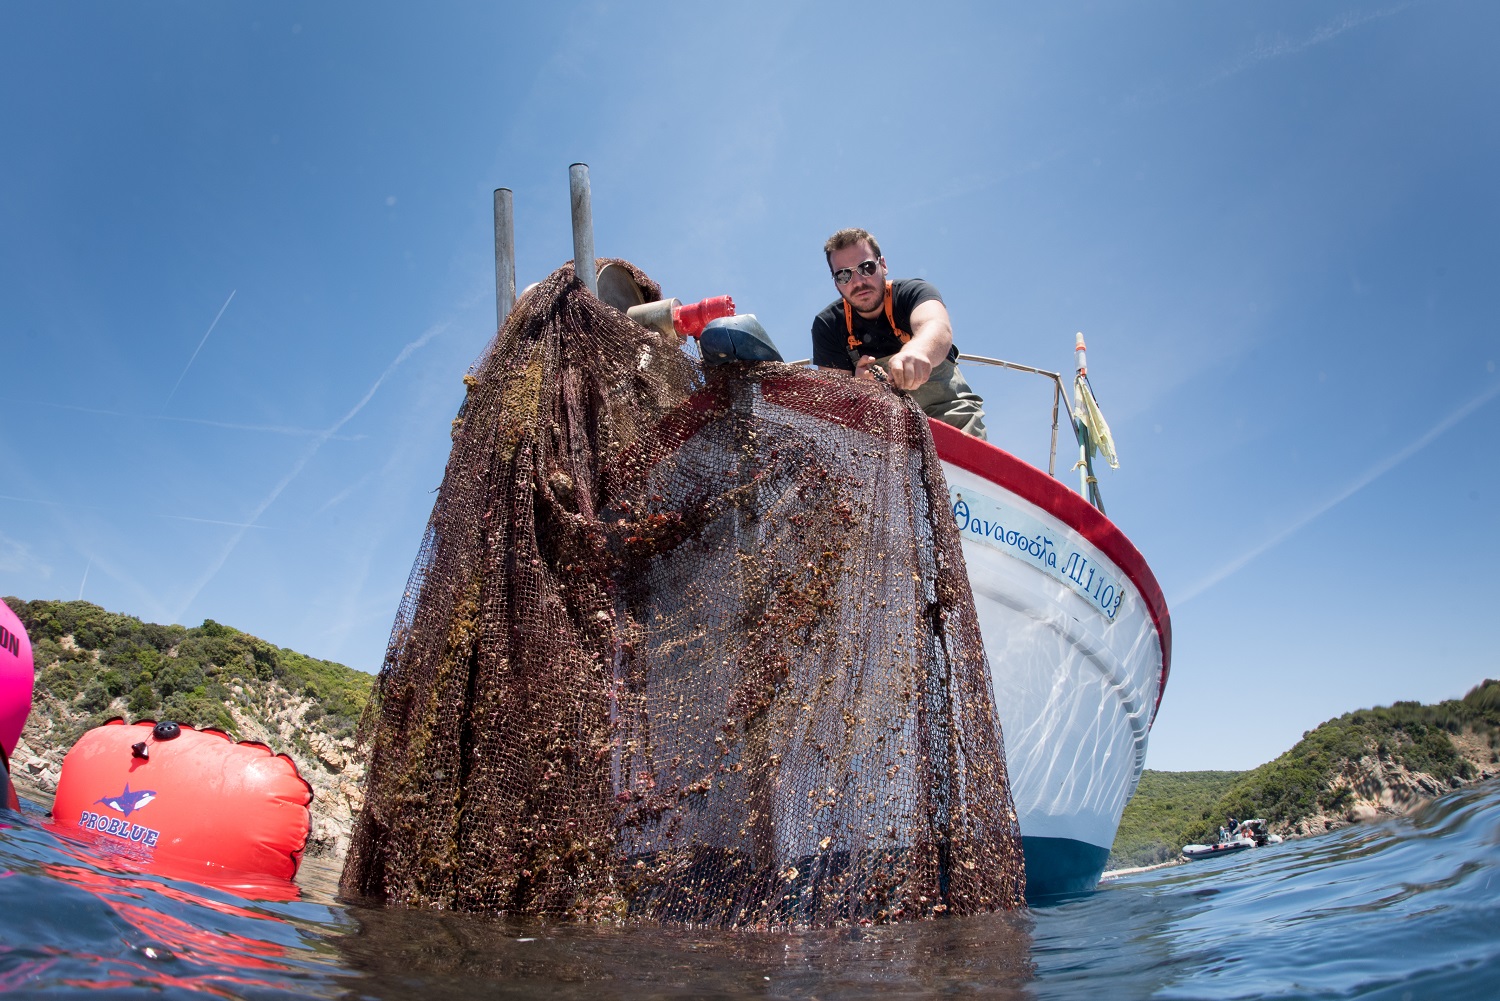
(848,238)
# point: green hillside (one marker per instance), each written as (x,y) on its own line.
(1408,735)
(92,663)
(1317,776)
(1165,804)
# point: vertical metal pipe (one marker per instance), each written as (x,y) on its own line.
(1090,482)
(1085,472)
(505,255)
(583,227)
(1059,398)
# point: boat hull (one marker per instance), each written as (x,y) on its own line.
(1078,642)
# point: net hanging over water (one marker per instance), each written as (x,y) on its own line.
(683,643)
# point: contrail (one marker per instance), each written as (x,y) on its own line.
(189,365)
(85,579)
(116,508)
(1371,475)
(211,521)
(1285,47)
(227,425)
(301,463)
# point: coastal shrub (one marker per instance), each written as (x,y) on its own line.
(213,630)
(143,701)
(196,709)
(57,676)
(94,697)
(179,677)
(1484,697)
(113,682)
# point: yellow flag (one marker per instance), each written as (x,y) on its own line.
(1099,437)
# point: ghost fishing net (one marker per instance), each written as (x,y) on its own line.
(684,644)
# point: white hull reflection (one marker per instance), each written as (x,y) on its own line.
(1079,642)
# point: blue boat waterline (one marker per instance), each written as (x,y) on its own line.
(1061,866)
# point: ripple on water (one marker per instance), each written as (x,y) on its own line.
(1404,907)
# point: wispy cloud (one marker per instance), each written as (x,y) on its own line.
(1369,476)
(213,521)
(17,558)
(202,342)
(968,185)
(38,500)
(141,600)
(347,492)
(301,463)
(115,509)
(281,429)
(1281,46)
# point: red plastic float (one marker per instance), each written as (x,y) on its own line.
(163,790)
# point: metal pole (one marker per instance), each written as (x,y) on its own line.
(1089,485)
(505,255)
(1084,472)
(1058,399)
(583,227)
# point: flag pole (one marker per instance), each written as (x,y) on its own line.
(1088,485)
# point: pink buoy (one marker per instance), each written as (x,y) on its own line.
(17,676)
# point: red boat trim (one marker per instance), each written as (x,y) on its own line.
(1031,484)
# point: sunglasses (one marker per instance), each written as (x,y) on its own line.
(844,276)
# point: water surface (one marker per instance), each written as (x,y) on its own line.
(1404,908)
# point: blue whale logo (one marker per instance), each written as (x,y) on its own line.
(128,801)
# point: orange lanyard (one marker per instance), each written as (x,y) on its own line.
(890,315)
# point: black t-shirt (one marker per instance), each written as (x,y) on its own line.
(830,337)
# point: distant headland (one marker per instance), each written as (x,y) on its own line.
(93,665)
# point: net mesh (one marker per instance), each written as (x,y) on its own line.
(684,644)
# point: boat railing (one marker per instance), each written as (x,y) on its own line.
(1089,485)
(1059,400)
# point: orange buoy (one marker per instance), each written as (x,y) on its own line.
(164,790)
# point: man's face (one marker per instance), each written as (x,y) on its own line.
(866,293)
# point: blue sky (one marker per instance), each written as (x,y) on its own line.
(247,259)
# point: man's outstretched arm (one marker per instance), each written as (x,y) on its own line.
(931,339)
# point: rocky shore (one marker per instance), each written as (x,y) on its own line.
(1381,788)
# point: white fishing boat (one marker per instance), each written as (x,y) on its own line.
(1078,639)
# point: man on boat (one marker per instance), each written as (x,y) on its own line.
(900,326)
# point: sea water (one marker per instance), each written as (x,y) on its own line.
(1402,908)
